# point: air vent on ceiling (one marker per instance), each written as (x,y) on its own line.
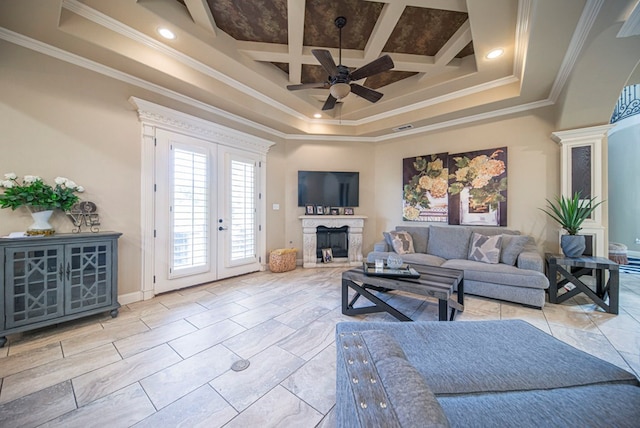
(402,127)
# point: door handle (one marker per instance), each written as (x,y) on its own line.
(223,228)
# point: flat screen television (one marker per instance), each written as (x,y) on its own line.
(328,188)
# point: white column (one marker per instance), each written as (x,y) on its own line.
(591,138)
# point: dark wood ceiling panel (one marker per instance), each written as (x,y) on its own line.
(252,20)
(320,30)
(387,78)
(284,66)
(313,73)
(466,51)
(423,31)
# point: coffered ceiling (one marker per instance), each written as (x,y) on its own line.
(235,58)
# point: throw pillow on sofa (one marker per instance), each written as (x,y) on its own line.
(402,242)
(485,249)
(512,246)
(449,242)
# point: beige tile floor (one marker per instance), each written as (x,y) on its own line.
(166,362)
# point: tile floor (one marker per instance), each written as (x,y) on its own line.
(166,362)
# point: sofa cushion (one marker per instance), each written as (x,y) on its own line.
(512,246)
(449,242)
(584,406)
(375,384)
(388,240)
(402,242)
(485,249)
(420,237)
(423,259)
(499,274)
(493,356)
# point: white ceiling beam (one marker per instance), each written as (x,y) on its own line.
(353,58)
(454,45)
(201,15)
(385,24)
(295,18)
(452,5)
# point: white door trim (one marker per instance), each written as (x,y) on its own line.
(154,116)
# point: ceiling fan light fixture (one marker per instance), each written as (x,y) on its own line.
(339,90)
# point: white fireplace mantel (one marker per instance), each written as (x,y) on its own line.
(310,223)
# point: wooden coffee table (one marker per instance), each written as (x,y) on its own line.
(433,282)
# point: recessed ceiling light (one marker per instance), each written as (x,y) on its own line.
(495,53)
(166,33)
(317,115)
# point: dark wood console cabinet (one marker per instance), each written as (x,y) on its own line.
(52,279)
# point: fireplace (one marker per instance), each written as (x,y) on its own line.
(346,245)
(336,238)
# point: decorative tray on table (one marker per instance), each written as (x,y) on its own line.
(404,271)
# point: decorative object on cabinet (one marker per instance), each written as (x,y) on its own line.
(39,198)
(84,213)
(59,278)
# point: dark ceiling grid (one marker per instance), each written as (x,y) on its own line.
(252,20)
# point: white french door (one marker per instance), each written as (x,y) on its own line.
(206,218)
(238,220)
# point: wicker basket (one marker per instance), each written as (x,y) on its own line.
(282,260)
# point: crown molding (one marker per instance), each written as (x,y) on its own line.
(164,117)
(587,18)
(62,55)
(103,20)
(631,26)
(523,32)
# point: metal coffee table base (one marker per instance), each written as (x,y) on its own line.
(445,302)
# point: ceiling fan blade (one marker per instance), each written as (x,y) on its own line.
(324,85)
(379,65)
(326,61)
(330,103)
(366,93)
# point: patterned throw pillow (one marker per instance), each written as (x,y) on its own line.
(402,242)
(485,249)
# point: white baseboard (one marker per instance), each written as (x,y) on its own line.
(125,299)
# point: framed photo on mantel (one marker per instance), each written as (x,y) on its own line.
(319,210)
(309,210)
(348,211)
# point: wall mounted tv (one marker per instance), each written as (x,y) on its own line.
(326,188)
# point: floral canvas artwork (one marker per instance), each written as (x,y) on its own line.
(478,188)
(425,182)
(464,188)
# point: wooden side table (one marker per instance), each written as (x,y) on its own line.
(584,265)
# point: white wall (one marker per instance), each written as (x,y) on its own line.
(532,169)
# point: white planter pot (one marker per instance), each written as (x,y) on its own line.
(41,224)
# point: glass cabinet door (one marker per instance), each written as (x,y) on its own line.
(33,284)
(88,276)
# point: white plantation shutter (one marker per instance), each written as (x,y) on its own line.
(190,211)
(243,210)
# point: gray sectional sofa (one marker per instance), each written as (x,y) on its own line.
(518,277)
(475,374)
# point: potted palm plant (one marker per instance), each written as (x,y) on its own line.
(570,213)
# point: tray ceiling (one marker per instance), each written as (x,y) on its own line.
(236,57)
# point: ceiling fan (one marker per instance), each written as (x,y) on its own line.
(340,78)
